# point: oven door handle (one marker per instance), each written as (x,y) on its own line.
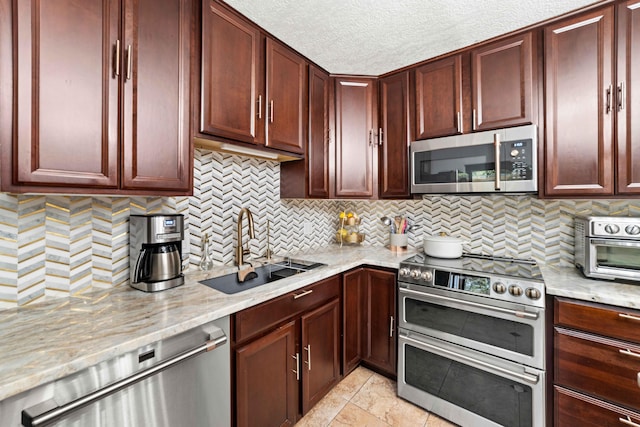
(611,242)
(530,378)
(517,313)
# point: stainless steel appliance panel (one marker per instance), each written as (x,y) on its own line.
(468,387)
(194,391)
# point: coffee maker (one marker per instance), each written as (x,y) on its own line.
(155,251)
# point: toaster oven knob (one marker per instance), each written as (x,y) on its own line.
(404,272)
(632,229)
(499,288)
(532,293)
(515,290)
(611,228)
(426,276)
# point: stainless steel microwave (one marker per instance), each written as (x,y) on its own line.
(467,163)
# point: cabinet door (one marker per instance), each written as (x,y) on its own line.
(579,101)
(502,82)
(157,74)
(66,93)
(356,145)
(320,353)
(233,104)
(394,136)
(628,98)
(266,383)
(353,319)
(576,409)
(287,99)
(318,153)
(439,98)
(381,318)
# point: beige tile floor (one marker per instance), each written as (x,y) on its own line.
(366,399)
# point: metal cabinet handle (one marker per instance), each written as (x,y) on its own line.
(459,121)
(628,352)
(308,361)
(53,412)
(116,62)
(129,60)
(629,316)
(391,327)
(621,96)
(271,111)
(259,106)
(301,294)
(297,370)
(496,143)
(628,421)
(473,119)
(380,137)
(608,109)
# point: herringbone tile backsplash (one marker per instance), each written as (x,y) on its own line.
(62,245)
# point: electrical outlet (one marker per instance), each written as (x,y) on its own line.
(308,228)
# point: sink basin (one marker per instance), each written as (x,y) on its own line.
(229,283)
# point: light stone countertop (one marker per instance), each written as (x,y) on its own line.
(54,338)
(570,282)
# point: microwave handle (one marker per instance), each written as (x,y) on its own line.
(496,144)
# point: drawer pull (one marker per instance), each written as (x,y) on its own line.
(628,421)
(629,316)
(629,353)
(301,294)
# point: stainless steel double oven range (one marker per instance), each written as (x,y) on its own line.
(471,345)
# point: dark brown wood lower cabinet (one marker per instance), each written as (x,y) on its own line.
(576,409)
(369,317)
(266,383)
(320,363)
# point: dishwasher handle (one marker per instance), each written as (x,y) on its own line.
(49,411)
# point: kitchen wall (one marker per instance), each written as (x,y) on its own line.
(56,246)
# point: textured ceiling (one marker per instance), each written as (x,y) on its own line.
(372,37)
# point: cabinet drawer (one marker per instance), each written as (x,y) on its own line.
(613,322)
(265,316)
(575,409)
(599,366)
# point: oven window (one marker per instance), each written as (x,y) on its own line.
(618,257)
(502,333)
(498,399)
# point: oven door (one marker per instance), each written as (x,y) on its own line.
(504,329)
(613,258)
(468,387)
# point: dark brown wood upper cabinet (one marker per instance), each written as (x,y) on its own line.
(356,144)
(438,91)
(253,89)
(628,98)
(318,149)
(502,83)
(394,136)
(233,101)
(287,99)
(580,105)
(101,97)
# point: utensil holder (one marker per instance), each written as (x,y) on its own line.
(398,242)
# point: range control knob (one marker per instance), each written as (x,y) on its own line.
(611,228)
(632,229)
(404,272)
(416,273)
(532,293)
(426,276)
(499,288)
(515,290)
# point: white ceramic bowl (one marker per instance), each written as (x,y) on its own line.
(443,246)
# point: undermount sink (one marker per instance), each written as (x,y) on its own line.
(229,283)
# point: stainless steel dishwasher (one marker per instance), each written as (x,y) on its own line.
(181,381)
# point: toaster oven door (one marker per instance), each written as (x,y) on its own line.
(613,259)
